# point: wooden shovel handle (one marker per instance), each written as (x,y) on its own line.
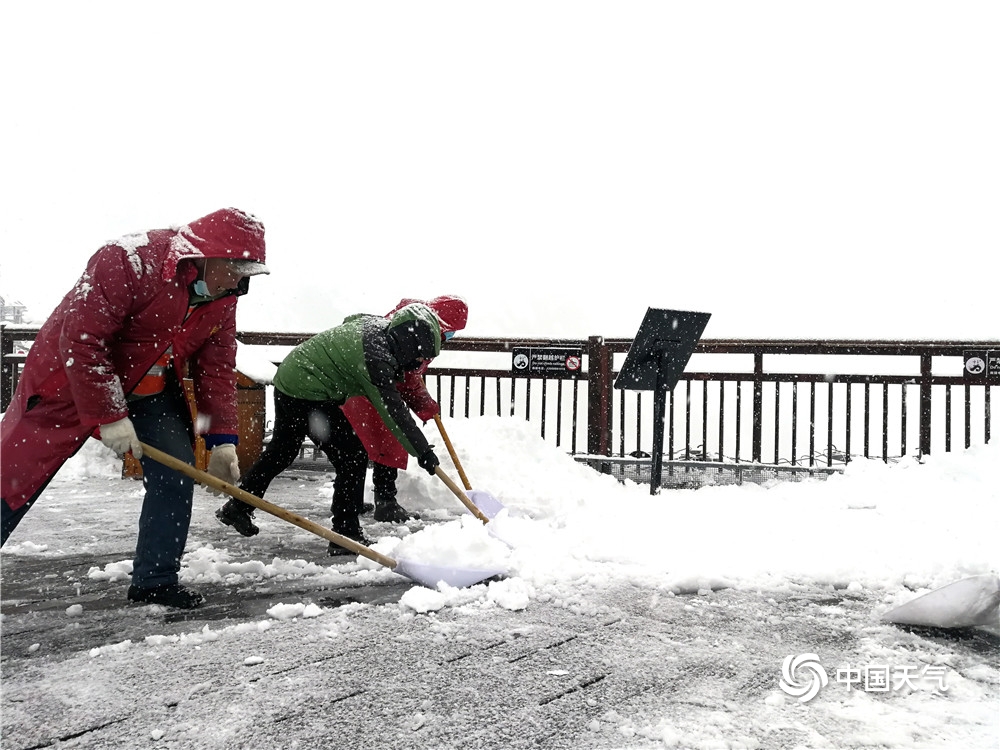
(451,452)
(461,495)
(207,479)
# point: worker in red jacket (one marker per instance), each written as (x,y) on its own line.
(385,452)
(150,309)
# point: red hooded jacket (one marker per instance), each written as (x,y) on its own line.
(380,443)
(130,304)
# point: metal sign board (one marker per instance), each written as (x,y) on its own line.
(981,365)
(661,349)
(536,361)
(659,353)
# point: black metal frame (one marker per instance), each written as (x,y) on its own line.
(758,394)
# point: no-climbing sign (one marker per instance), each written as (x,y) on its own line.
(534,361)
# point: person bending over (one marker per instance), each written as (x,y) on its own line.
(366,355)
(149,310)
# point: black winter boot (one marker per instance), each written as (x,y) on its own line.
(387,509)
(168,594)
(239,515)
(335,550)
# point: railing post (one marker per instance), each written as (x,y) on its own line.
(7,370)
(925,404)
(599,387)
(758,406)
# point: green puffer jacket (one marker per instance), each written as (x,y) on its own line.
(366,355)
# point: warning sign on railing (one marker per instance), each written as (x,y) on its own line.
(982,365)
(546,360)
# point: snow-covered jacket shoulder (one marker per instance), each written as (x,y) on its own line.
(328,366)
(352,359)
(129,305)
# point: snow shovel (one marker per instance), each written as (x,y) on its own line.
(484,502)
(451,452)
(461,495)
(964,603)
(422,573)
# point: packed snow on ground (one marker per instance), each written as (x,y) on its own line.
(896,530)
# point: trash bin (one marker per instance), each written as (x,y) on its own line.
(251,405)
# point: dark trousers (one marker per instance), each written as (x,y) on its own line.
(163,421)
(384,482)
(325,424)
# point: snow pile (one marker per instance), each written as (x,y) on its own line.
(899,528)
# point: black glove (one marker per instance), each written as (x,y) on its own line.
(428,461)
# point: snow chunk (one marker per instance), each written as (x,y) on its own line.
(25,548)
(115,571)
(114,648)
(423,600)
(513,594)
(281,611)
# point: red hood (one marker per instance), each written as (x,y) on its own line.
(226,233)
(451,311)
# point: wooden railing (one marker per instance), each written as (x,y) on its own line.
(795,402)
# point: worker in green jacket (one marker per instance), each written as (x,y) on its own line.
(366,355)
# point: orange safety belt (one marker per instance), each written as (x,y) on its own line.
(155,379)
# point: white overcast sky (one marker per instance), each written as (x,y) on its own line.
(794,168)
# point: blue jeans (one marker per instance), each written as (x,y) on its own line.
(163,421)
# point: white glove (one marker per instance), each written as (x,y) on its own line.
(224,464)
(121,438)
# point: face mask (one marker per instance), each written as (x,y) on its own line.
(200,288)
